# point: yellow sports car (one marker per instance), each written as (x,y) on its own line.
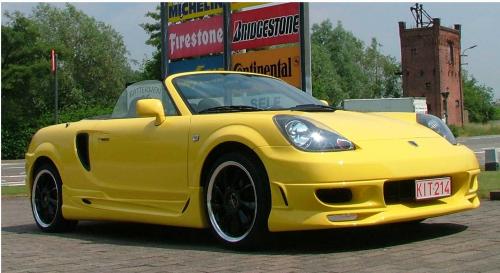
(245,154)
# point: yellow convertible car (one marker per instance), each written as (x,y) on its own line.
(245,154)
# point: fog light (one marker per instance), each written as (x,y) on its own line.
(342,217)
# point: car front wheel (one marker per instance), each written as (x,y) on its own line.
(237,200)
(46,200)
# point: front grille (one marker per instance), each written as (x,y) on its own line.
(399,191)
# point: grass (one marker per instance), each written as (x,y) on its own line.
(488,181)
(478,129)
(14,191)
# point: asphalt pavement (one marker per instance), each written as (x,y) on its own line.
(462,242)
(480,143)
(13,173)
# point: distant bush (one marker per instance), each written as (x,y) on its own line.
(478,99)
(15,142)
(88,112)
(16,137)
(496,116)
(457,131)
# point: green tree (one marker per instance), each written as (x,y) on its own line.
(478,99)
(25,86)
(382,71)
(152,68)
(325,80)
(354,71)
(93,69)
(92,55)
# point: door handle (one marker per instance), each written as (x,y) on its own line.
(102,136)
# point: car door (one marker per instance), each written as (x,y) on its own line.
(139,165)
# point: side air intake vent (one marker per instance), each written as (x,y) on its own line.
(334,196)
(82,148)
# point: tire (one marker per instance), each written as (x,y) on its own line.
(237,200)
(46,201)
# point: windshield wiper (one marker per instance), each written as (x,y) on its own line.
(312,108)
(229,108)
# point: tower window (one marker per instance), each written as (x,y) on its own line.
(451,59)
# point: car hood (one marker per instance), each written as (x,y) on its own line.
(370,126)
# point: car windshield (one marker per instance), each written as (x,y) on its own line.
(229,92)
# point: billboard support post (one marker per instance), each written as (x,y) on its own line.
(305,49)
(228,37)
(164,39)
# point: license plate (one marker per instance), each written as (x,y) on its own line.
(432,188)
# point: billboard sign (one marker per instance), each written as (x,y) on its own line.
(283,63)
(242,5)
(181,11)
(279,24)
(198,64)
(196,38)
(178,11)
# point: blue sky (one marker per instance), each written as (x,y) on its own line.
(480,23)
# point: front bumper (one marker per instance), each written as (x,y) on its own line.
(296,176)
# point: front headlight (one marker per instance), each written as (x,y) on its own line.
(437,125)
(308,136)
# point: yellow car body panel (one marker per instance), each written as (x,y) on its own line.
(152,174)
(300,179)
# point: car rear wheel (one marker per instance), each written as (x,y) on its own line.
(46,200)
(237,200)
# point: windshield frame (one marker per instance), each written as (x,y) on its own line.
(173,78)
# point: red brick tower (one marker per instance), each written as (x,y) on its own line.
(430,59)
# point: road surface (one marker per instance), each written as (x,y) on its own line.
(13,173)
(479,143)
(462,242)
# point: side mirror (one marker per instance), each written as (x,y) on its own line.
(150,108)
(324,102)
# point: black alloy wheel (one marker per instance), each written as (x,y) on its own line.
(237,200)
(46,200)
